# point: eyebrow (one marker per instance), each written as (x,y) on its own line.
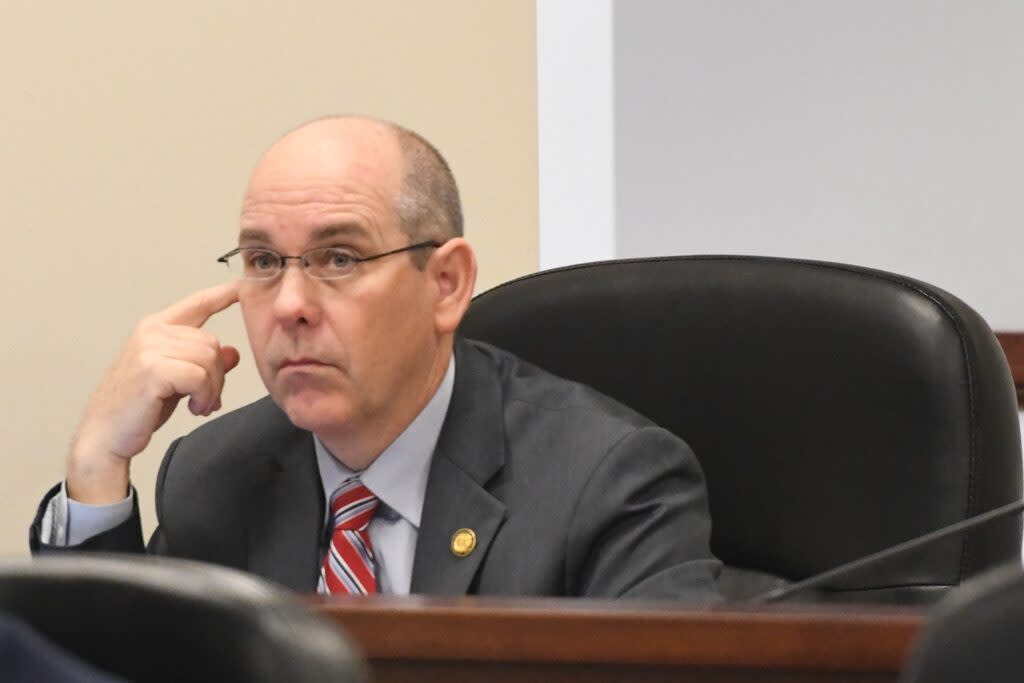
(318,235)
(253,235)
(348,229)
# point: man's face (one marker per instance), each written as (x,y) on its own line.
(338,356)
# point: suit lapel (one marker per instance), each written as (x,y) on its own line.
(286,514)
(470,451)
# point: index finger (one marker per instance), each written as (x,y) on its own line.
(195,309)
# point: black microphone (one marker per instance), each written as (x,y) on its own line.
(855,566)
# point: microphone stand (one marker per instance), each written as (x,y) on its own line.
(905,547)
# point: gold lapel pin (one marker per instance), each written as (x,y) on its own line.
(463,542)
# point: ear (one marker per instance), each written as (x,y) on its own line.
(453,272)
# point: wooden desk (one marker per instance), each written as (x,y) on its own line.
(430,640)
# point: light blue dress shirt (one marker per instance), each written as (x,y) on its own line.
(398,477)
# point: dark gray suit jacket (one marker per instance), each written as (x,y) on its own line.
(569,494)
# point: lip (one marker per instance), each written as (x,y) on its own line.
(301,363)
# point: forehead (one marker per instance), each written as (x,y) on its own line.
(327,173)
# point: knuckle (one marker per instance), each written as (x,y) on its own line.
(148,360)
(200,374)
(200,304)
(209,339)
(149,331)
(210,356)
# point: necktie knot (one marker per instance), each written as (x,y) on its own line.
(353,505)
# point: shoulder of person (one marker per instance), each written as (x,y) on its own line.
(256,432)
(526,382)
(538,401)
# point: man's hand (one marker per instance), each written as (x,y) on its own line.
(166,358)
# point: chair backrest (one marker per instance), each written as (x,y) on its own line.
(975,635)
(150,619)
(836,410)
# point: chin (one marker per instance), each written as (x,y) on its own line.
(316,413)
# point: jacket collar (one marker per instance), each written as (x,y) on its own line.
(285,509)
(470,451)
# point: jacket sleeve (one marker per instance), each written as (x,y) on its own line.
(126,537)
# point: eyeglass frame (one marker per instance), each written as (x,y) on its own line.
(301,258)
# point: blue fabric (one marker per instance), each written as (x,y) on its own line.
(27,657)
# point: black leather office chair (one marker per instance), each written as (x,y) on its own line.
(836,410)
(975,635)
(150,619)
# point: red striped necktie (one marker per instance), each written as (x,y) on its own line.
(349,567)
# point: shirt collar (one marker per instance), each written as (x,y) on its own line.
(398,477)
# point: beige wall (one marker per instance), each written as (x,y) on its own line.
(127,130)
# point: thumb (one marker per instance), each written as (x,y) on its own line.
(230,356)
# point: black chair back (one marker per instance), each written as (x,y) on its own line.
(836,410)
(157,620)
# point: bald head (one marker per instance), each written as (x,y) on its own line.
(401,165)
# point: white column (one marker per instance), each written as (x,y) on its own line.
(575,131)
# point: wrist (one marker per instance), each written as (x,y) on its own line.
(96,477)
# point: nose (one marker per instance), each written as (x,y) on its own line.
(296,301)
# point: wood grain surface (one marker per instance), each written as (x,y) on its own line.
(493,640)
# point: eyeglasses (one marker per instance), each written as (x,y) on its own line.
(325,263)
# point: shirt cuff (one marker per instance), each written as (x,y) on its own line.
(67,522)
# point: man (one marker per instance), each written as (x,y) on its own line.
(391,455)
